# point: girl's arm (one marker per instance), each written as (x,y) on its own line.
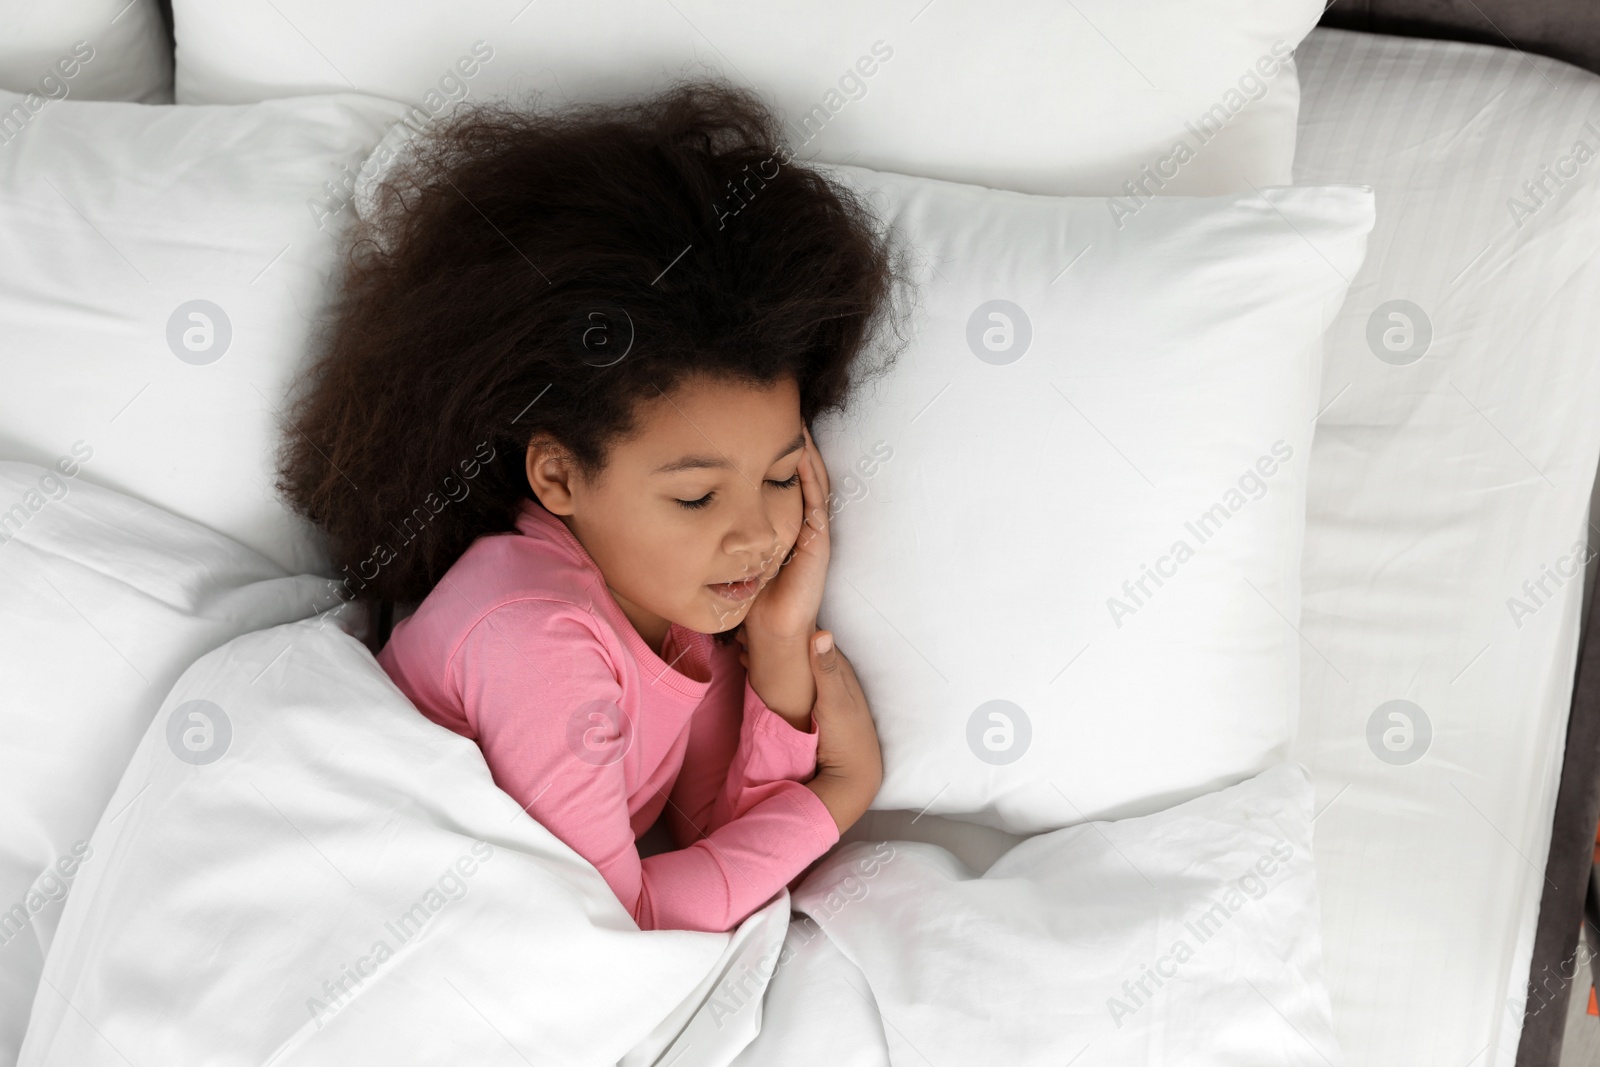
(780,672)
(737,745)
(537,685)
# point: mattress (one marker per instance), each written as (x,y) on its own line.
(1440,492)
(1431,873)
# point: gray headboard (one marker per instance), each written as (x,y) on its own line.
(1565,29)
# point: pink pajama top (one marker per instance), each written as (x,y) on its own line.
(522,648)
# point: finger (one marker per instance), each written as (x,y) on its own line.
(824,662)
(847,674)
(821,515)
(821,468)
(813,502)
(851,680)
(813,539)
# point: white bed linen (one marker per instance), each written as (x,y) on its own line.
(299,868)
(1426,999)
(1438,487)
(320,875)
(1184,936)
(104,602)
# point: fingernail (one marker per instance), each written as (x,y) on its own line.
(824,642)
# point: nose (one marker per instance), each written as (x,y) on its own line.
(753,539)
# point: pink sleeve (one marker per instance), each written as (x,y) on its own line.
(739,751)
(533,676)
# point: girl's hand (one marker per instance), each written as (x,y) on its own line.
(785,609)
(849,761)
(778,626)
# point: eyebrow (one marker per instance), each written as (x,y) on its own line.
(692,463)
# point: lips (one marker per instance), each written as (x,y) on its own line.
(739,590)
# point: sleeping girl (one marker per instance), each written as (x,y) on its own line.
(642,308)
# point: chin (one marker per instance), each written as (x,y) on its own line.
(726,624)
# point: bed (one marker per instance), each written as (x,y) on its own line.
(1448,717)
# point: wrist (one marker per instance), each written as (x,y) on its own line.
(801,721)
(780,673)
(757,628)
(844,798)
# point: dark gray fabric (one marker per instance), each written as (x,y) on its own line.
(1568,30)
(1556,967)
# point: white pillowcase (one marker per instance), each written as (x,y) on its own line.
(83,50)
(1190,935)
(1039,96)
(1068,523)
(121,224)
(106,602)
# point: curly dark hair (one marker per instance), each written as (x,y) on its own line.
(521,272)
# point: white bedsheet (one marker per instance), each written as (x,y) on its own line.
(1438,488)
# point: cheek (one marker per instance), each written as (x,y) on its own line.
(676,559)
(662,556)
(643,554)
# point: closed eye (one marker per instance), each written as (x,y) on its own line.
(788,483)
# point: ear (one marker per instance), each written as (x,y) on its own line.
(550,474)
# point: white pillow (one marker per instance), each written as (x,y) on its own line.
(1083,390)
(82,50)
(120,224)
(1190,935)
(1039,96)
(106,602)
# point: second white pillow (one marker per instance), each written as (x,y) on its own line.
(1068,521)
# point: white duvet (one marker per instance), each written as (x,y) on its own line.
(299,868)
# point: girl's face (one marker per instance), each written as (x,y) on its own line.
(707,492)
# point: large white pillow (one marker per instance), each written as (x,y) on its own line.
(161,272)
(104,602)
(1041,96)
(1086,392)
(83,50)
